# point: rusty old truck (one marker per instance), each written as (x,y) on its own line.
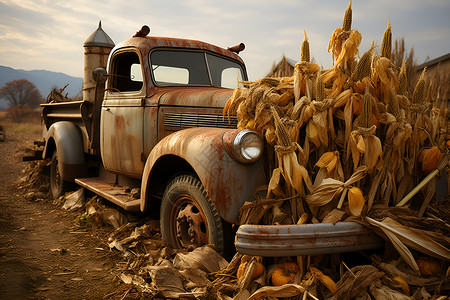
(151,119)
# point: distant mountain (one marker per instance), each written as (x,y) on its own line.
(43,80)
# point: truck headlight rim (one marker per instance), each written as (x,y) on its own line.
(248,146)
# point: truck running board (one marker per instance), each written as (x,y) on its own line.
(115,194)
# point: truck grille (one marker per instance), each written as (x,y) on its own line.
(198,120)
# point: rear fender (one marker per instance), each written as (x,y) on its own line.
(66,138)
(229,183)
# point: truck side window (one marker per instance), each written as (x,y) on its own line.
(127,73)
(224,73)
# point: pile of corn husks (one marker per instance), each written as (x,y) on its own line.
(348,144)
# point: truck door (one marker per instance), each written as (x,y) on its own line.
(121,122)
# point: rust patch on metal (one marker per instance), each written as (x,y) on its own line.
(208,97)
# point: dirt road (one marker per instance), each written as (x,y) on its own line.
(44,254)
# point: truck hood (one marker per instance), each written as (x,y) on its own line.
(195,97)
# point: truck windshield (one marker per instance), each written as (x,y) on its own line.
(192,68)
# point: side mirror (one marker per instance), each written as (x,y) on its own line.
(99,74)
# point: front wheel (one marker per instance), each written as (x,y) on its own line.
(58,185)
(188,217)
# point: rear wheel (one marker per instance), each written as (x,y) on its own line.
(58,185)
(188,217)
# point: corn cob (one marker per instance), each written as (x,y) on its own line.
(270,81)
(363,68)
(386,44)
(366,114)
(419,90)
(319,88)
(283,136)
(347,24)
(393,107)
(304,55)
(402,80)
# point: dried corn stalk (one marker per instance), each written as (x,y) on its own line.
(294,173)
(341,117)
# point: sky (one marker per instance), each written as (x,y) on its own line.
(49,34)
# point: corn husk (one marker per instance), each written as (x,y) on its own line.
(286,290)
(332,188)
(324,279)
(356,201)
(402,236)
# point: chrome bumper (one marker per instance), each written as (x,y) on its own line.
(307,239)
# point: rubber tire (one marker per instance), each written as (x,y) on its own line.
(58,186)
(191,186)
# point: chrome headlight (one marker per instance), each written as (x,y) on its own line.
(248,146)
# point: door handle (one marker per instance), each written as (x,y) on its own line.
(106,108)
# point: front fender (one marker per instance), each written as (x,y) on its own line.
(68,140)
(228,182)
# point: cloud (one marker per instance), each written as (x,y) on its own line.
(44,34)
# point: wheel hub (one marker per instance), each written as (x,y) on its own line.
(191,226)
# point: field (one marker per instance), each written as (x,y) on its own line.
(44,252)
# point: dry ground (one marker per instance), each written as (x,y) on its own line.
(44,253)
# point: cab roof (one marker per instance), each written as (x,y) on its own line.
(147,43)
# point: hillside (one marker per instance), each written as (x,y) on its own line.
(44,81)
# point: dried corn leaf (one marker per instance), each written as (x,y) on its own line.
(286,290)
(326,280)
(334,216)
(274,182)
(355,283)
(204,258)
(383,292)
(166,279)
(411,279)
(411,238)
(342,98)
(349,49)
(402,249)
(416,240)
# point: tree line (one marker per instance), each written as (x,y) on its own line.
(21,92)
(22,97)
